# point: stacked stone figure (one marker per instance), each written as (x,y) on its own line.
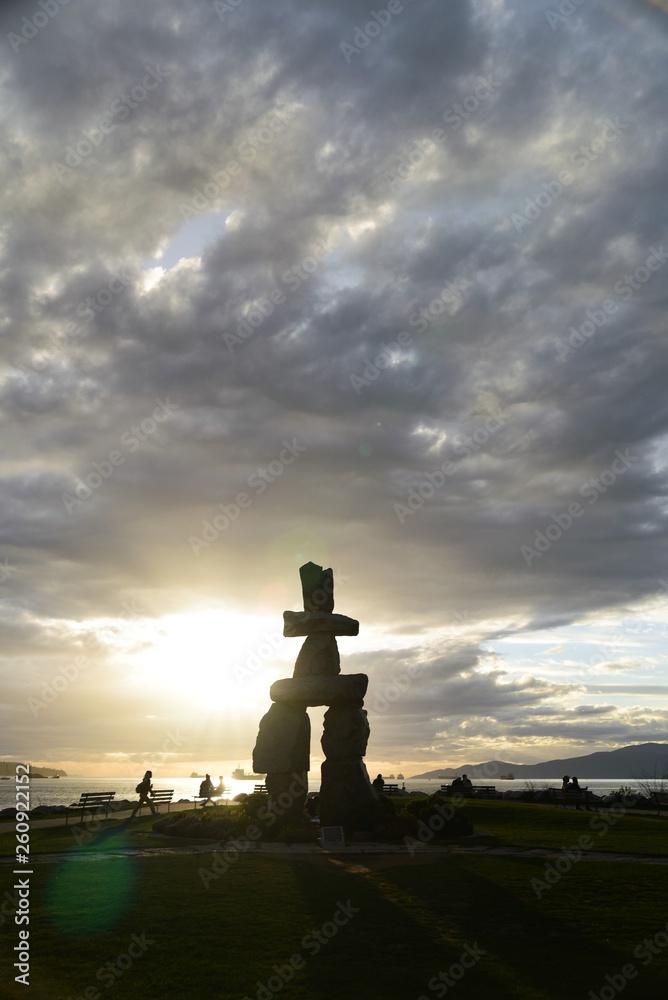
(283,743)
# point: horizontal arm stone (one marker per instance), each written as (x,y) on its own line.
(296,623)
(320,690)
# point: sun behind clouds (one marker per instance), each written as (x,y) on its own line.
(209,657)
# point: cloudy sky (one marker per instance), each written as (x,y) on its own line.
(290,281)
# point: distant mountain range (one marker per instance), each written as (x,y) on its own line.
(648,760)
(8,769)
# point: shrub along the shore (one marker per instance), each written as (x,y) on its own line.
(387,819)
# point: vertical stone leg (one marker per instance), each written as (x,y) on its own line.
(282,753)
(287,795)
(345,782)
(345,785)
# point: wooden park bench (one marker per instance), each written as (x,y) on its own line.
(472,792)
(92,801)
(390,789)
(660,799)
(210,798)
(158,797)
(260,788)
(572,798)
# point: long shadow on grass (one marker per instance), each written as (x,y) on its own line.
(396,942)
(415,921)
(533,950)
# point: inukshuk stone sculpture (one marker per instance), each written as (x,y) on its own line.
(283,743)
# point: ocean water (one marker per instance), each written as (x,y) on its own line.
(64,791)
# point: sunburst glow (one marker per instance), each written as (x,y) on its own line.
(209,657)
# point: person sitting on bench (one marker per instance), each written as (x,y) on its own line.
(206,790)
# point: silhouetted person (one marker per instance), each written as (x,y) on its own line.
(144,789)
(565,786)
(378,783)
(313,805)
(457,783)
(206,790)
(575,787)
(466,781)
(220,787)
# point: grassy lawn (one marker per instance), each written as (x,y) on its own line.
(525,825)
(360,927)
(400,923)
(100,835)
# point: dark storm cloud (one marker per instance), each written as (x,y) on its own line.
(442,273)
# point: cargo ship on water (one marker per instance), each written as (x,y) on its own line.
(240,775)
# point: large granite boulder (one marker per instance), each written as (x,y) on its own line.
(320,656)
(284,740)
(317,587)
(296,623)
(287,795)
(345,786)
(346,731)
(320,690)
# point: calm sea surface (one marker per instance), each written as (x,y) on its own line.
(63,791)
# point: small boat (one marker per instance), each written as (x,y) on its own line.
(507,777)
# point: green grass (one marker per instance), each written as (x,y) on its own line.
(495,823)
(523,825)
(412,920)
(546,934)
(100,835)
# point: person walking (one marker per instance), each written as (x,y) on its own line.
(144,789)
